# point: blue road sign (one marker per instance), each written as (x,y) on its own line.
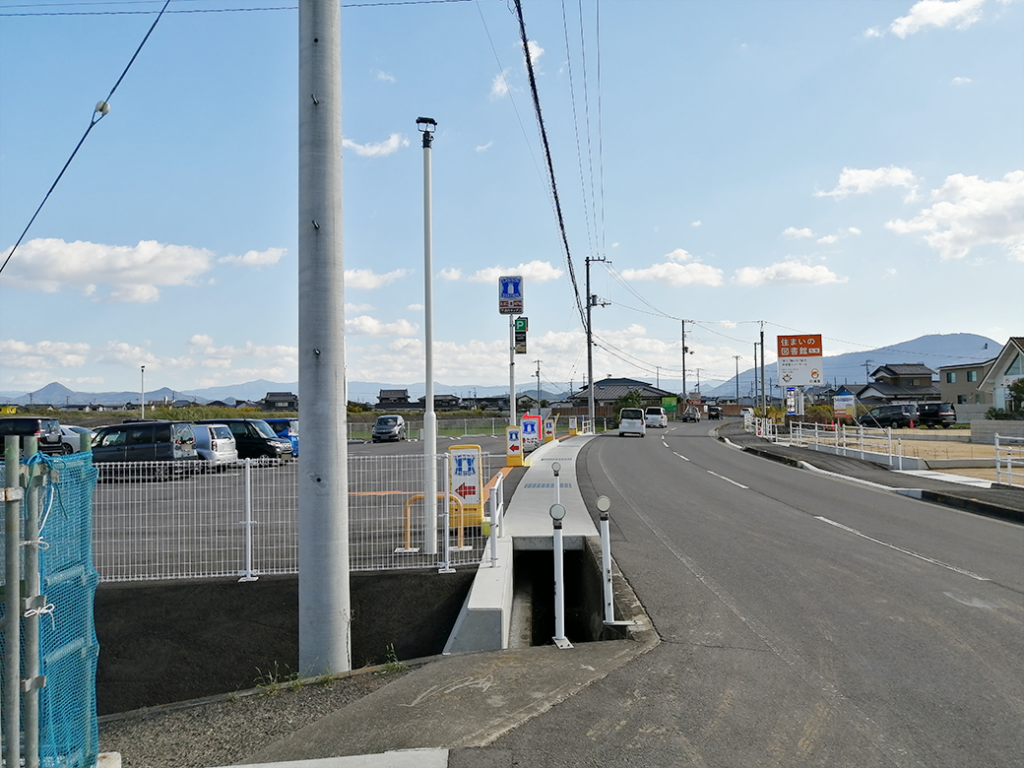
(510,295)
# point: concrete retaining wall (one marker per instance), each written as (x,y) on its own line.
(985,430)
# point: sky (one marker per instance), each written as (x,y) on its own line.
(854,169)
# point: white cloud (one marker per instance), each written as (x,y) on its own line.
(970,212)
(368,279)
(828,239)
(961,80)
(535,271)
(451,273)
(385,76)
(859,181)
(797,233)
(677,274)
(133,272)
(535,51)
(696,223)
(357,307)
(853,231)
(381,149)
(43,354)
(499,85)
(485,147)
(787,273)
(680,256)
(937,13)
(416,307)
(364,325)
(256,258)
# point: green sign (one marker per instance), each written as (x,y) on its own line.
(669,404)
(522,323)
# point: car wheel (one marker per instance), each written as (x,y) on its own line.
(895,425)
(65,449)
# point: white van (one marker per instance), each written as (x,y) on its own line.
(655,416)
(631,422)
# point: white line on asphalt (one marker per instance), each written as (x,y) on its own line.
(931,560)
(680,456)
(723,477)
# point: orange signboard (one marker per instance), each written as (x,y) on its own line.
(804,345)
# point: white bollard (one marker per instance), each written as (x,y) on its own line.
(557,512)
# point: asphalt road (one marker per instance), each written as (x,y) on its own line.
(805,621)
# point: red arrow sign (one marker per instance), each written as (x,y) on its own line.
(513,447)
(465,490)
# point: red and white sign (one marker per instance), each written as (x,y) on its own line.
(464,473)
(800,360)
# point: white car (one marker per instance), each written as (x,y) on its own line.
(655,416)
(71,438)
(631,422)
(216,445)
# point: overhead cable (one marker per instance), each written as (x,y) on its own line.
(101,109)
(550,162)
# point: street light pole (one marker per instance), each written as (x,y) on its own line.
(427,127)
(142,394)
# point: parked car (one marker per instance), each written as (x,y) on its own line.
(47,431)
(216,445)
(631,422)
(655,416)
(254,438)
(895,416)
(145,441)
(692,413)
(937,415)
(288,429)
(73,438)
(714,412)
(388,427)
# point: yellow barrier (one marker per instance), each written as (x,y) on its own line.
(456,520)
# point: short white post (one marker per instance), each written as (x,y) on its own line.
(557,512)
(446,515)
(606,563)
(556,468)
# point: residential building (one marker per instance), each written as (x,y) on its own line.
(900,383)
(1007,368)
(608,391)
(959,384)
(280,401)
(393,400)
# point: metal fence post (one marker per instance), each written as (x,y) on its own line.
(446,515)
(12,601)
(247,573)
(32,605)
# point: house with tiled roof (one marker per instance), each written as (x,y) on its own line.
(900,383)
(1007,368)
(608,391)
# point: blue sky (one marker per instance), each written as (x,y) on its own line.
(854,169)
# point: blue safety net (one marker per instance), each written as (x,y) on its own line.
(68,731)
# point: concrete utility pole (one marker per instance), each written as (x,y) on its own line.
(753,393)
(142,395)
(325,615)
(686,395)
(737,359)
(764,405)
(538,362)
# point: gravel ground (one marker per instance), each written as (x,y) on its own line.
(228,729)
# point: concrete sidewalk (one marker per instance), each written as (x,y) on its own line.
(430,716)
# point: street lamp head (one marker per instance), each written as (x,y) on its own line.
(427,126)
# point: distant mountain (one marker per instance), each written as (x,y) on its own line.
(933,350)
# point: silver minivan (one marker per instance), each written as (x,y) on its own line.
(216,445)
(389,427)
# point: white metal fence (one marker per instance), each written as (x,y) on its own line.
(1010,460)
(845,440)
(169,521)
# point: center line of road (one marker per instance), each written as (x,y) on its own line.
(931,560)
(723,477)
(680,456)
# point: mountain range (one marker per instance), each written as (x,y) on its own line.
(849,368)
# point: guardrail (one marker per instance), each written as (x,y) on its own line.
(163,520)
(847,440)
(1009,459)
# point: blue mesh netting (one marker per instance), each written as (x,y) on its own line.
(68,731)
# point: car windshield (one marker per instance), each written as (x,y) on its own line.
(387,421)
(264,429)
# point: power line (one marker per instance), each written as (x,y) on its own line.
(102,109)
(550,162)
(201,10)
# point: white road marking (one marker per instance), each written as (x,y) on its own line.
(723,477)
(680,456)
(931,560)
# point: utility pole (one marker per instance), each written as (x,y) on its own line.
(538,362)
(591,302)
(325,614)
(737,359)
(764,405)
(753,392)
(142,395)
(684,351)
(867,367)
